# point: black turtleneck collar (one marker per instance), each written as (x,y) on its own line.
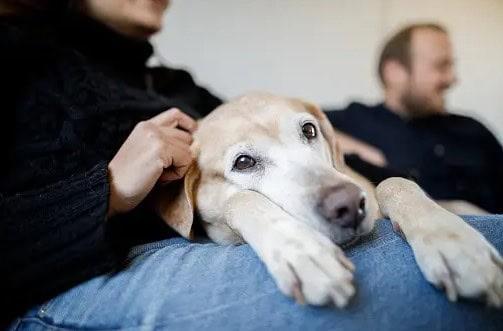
(97,42)
(102,44)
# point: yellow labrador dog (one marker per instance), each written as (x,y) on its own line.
(269,173)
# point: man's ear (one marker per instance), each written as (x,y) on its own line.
(395,73)
(175,202)
(328,133)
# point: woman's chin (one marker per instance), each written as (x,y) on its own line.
(139,29)
(146,31)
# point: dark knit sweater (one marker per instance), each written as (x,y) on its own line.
(72,91)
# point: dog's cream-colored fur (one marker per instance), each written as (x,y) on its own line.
(273,205)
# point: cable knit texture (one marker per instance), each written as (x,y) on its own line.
(73,92)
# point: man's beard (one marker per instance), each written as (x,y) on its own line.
(419,105)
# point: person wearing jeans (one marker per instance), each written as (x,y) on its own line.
(176,284)
(80,247)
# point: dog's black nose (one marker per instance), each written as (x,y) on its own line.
(343,205)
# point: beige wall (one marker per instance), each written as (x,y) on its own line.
(325,50)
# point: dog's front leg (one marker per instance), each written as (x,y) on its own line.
(305,264)
(450,253)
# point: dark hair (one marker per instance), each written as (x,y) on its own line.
(398,46)
(35,7)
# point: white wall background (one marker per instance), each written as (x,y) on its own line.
(326,50)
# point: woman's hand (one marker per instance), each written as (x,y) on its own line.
(156,150)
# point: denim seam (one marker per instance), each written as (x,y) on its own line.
(40,321)
(174,318)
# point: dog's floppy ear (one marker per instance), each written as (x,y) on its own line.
(175,202)
(328,132)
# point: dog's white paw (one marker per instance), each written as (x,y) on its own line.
(310,268)
(457,258)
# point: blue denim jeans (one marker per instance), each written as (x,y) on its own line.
(180,285)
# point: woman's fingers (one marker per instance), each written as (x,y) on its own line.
(154,151)
(178,159)
(177,134)
(175,118)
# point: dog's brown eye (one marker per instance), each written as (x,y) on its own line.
(244,162)
(309,130)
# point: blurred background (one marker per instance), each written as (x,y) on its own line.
(326,50)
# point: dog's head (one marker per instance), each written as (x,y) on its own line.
(282,148)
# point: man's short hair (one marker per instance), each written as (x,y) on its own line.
(398,46)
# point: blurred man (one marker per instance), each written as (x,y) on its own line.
(411,134)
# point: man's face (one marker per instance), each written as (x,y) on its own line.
(430,75)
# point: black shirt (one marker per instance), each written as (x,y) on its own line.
(72,91)
(450,156)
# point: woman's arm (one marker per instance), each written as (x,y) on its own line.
(54,237)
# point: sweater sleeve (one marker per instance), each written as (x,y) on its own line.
(54,237)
